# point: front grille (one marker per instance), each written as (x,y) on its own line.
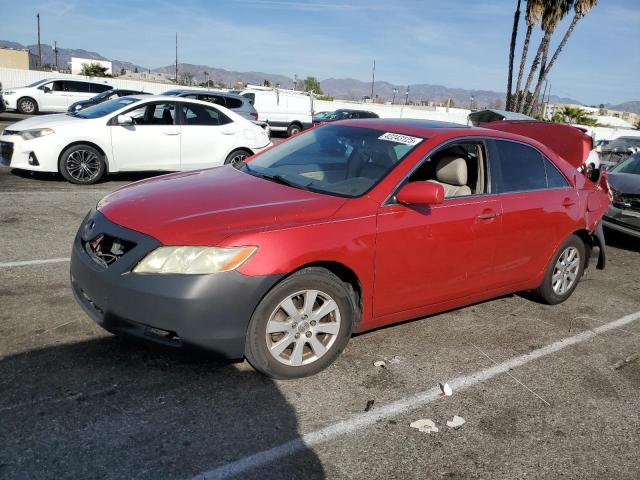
(106,250)
(6,152)
(10,132)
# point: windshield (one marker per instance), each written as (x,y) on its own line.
(102,95)
(335,159)
(172,93)
(630,165)
(105,108)
(35,84)
(337,115)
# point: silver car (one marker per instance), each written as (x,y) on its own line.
(232,101)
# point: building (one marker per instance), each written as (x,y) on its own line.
(21,59)
(76,65)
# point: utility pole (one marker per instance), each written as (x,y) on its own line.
(39,46)
(406,96)
(55,51)
(546,105)
(541,103)
(176,58)
(373,79)
(393,101)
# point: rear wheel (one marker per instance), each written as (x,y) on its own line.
(293,129)
(82,165)
(564,272)
(27,106)
(237,156)
(301,326)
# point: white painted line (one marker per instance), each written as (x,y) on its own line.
(50,192)
(401,406)
(25,263)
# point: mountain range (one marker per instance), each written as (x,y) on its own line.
(344,88)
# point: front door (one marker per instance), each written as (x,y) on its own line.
(151,143)
(54,96)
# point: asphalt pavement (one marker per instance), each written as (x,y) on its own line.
(545,391)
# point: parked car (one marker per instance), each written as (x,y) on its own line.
(52,95)
(237,103)
(619,149)
(624,182)
(284,110)
(345,114)
(345,228)
(103,97)
(141,132)
(318,116)
(3,107)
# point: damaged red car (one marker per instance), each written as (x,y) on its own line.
(342,229)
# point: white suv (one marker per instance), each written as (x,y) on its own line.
(51,95)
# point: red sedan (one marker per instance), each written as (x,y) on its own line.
(342,229)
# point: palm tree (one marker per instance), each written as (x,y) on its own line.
(514,36)
(533,16)
(554,11)
(581,8)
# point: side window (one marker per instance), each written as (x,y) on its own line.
(98,87)
(218,100)
(194,114)
(233,102)
(251,97)
(459,167)
(59,86)
(192,96)
(555,179)
(517,168)
(50,85)
(81,87)
(154,114)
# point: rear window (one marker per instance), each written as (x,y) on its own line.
(233,102)
(250,96)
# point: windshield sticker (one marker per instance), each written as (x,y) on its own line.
(398,138)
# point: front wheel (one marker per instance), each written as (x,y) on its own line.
(27,106)
(301,325)
(564,272)
(82,165)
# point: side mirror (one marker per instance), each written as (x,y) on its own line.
(46,89)
(124,119)
(421,193)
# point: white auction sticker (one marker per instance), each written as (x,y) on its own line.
(399,138)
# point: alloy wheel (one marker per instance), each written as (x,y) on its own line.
(303,327)
(565,271)
(238,158)
(27,106)
(83,165)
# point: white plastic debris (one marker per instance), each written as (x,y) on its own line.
(456,422)
(424,425)
(379,363)
(445,390)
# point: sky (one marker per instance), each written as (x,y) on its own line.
(456,43)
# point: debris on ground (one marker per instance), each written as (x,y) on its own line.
(369,405)
(624,362)
(456,422)
(380,363)
(424,425)
(445,390)
(393,360)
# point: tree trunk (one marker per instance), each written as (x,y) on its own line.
(534,67)
(514,36)
(523,61)
(567,34)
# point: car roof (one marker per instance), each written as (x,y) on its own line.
(407,126)
(58,79)
(204,92)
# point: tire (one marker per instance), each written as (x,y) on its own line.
(82,165)
(27,106)
(293,129)
(301,346)
(237,156)
(564,267)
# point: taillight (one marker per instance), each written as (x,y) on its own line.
(254,115)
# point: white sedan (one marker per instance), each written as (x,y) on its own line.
(133,133)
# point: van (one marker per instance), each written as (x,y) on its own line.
(284,110)
(52,94)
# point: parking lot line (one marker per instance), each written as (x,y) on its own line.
(25,263)
(404,405)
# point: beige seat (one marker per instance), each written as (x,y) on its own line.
(451,173)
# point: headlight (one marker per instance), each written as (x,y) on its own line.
(35,133)
(9,93)
(194,260)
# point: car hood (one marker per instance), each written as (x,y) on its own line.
(206,206)
(46,121)
(624,182)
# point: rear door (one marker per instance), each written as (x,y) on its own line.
(152,143)
(207,137)
(539,210)
(80,91)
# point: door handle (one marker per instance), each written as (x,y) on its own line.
(567,202)
(228,132)
(488,215)
(172,132)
